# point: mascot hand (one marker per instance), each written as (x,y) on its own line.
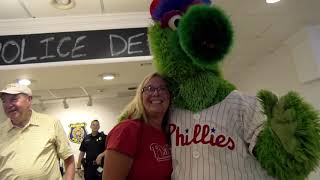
(282,118)
(289,145)
(284,124)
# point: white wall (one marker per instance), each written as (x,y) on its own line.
(277,72)
(105,110)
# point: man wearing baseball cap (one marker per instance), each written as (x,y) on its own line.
(31,143)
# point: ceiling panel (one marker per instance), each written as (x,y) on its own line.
(44,8)
(95,90)
(125,93)
(42,94)
(111,91)
(249,27)
(79,75)
(11,9)
(116,6)
(260,7)
(68,92)
(230,7)
(101,91)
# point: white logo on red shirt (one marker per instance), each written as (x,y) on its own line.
(161,152)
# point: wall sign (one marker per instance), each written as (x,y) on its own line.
(77,132)
(70,46)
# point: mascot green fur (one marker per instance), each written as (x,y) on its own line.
(216,131)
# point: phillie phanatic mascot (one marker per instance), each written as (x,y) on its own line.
(216,131)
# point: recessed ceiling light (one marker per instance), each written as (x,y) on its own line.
(108,77)
(25,82)
(272,1)
(63,4)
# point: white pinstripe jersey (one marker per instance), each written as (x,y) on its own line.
(216,143)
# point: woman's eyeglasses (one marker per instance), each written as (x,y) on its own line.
(151,89)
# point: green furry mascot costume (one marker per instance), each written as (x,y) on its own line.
(216,131)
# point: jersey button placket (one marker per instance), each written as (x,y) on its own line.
(196,116)
(195,150)
(195,154)
(195,161)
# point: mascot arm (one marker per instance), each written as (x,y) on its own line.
(289,145)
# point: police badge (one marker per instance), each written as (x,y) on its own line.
(77,132)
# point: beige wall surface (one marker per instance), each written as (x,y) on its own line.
(105,110)
(277,72)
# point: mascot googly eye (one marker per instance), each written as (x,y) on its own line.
(172,20)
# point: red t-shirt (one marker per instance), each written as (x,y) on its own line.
(148,147)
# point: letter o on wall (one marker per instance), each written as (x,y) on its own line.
(4,48)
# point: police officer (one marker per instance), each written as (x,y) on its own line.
(92,147)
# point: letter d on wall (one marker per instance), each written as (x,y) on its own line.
(113,45)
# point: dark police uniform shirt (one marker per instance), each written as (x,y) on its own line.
(93,146)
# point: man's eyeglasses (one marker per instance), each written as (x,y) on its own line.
(151,89)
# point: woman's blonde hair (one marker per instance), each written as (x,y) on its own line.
(135,109)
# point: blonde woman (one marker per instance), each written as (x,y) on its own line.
(138,147)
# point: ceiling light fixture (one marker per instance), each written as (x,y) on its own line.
(108,76)
(272,1)
(64,101)
(25,82)
(65,104)
(63,4)
(89,101)
(42,106)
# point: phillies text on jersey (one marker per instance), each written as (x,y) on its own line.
(216,143)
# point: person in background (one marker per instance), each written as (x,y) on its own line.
(139,146)
(92,146)
(31,143)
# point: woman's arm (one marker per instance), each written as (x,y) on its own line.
(116,165)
